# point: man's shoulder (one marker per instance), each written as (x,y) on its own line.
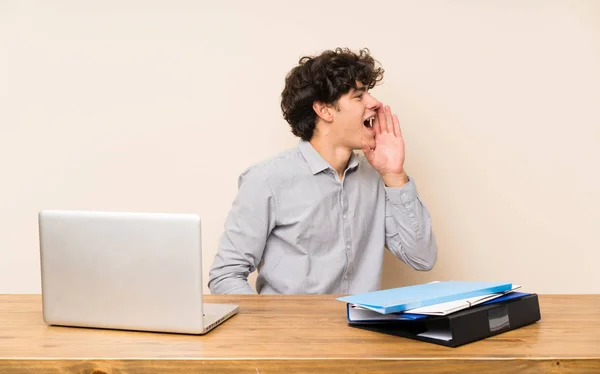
(283,165)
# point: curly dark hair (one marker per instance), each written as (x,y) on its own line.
(324,78)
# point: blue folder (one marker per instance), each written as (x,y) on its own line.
(508,296)
(377,318)
(373,317)
(396,300)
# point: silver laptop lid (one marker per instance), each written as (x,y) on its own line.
(134,271)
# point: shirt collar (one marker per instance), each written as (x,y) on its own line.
(316,163)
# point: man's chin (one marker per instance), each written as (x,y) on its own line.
(356,146)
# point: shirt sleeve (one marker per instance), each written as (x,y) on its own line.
(408,231)
(247,227)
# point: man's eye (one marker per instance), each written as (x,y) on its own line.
(359,96)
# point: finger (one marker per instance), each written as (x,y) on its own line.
(397,126)
(376,125)
(388,120)
(380,118)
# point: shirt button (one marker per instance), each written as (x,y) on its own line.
(348,246)
(344,216)
(345,277)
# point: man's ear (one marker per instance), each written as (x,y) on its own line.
(324,111)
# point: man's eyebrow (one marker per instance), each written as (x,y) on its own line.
(359,90)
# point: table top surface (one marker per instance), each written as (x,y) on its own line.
(296,327)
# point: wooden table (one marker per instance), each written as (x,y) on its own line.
(295,334)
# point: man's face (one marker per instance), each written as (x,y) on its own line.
(351,119)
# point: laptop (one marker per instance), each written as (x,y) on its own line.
(126,271)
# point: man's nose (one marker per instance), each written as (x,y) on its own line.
(373,104)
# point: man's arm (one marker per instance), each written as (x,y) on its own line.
(408,232)
(249,223)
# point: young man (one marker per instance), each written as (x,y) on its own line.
(316,218)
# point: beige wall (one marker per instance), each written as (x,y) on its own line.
(158,106)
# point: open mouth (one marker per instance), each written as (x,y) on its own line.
(369,122)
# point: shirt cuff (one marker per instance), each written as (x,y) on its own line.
(402,195)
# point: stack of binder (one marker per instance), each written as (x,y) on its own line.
(450,313)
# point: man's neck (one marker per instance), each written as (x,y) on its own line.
(336,156)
